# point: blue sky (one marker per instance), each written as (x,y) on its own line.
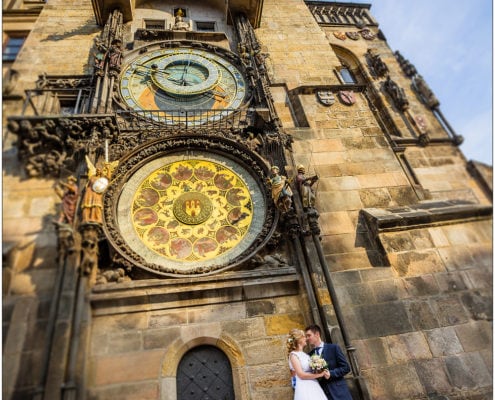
(450,44)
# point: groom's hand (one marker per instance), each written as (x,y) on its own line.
(327,374)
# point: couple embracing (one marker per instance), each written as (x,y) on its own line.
(319,375)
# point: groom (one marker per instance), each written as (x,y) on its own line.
(335,388)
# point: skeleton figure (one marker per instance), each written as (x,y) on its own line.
(305,186)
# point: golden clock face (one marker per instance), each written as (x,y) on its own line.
(188,214)
(182,80)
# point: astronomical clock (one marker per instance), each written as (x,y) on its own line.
(195,201)
(172,145)
(183,79)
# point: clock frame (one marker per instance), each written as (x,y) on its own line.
(176,78)
(178,212)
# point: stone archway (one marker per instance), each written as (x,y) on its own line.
(205,373)
(178,348)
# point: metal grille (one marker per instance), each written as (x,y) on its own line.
(183,119)
(205,374)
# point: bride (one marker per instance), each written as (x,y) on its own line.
(307,387)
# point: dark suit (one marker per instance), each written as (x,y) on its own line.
(335,388)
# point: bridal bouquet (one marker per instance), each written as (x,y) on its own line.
(317,364)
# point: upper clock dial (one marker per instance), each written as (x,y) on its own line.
(182,79)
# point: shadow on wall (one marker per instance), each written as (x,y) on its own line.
(367,240)
(11,166)
(29,265)
(88,27)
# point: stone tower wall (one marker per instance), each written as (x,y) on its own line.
(58,45)
(416,298)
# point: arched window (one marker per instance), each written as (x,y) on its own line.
(346,75)
(205,373)
(348,72)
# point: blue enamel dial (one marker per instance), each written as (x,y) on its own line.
(182,79)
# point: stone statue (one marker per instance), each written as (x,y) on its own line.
(425,92)
(397,94)
(180,24)
(305,186)
(245,58)
(65,242)
(281,191)
(112,275)
(252,142)
(408,68)
(89,252)
(115,57)
(379,67)
(68,193)
(99,57)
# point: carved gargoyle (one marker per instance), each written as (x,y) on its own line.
(111,276)
(275,260)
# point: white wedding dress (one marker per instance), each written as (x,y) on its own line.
(306,389)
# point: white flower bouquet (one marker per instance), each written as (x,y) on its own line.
(317,363)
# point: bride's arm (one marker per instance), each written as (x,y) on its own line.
(296,364)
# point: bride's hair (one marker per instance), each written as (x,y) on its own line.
(294,336)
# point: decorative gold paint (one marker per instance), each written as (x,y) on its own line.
(192,210)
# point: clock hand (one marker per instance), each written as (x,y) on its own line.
(213,93)
(185,70)
(153,69)
(174,80)
(181,82)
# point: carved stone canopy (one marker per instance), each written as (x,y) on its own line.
(252,9)
(48,145)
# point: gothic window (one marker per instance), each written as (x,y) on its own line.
(346,75)
(154,24)
(204,373)
(12,47)
(205,26)
(68,106)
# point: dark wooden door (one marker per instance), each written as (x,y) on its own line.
(205,374)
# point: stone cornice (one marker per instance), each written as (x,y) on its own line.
(424,215)
(162,294)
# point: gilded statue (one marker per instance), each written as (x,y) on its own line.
(180,24)
(92,202)
(281,191)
